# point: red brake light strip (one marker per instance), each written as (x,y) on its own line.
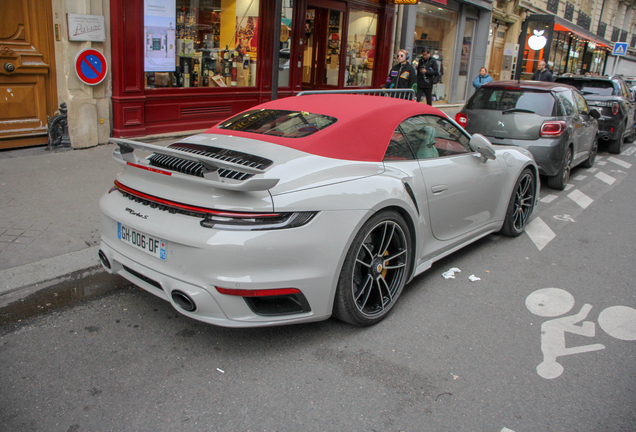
(186,207)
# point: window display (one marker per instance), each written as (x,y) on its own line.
(210,43)
(361,39)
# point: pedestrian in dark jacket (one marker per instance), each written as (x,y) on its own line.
(427,72)
(402,75)
(482,78)
(542,73)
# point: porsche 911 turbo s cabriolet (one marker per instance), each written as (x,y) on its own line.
(307,207)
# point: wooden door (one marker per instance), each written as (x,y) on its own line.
(496,58)
(27,72)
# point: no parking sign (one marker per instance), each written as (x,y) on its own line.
(91,66)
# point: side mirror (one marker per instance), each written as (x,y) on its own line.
(594,113)
(481,145)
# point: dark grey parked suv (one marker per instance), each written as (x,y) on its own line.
(550,120)
(613,98)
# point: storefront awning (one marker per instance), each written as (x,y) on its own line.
(560,27)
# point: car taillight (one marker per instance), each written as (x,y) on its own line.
(258,292)
(552,128)
(461,118)
(615,107)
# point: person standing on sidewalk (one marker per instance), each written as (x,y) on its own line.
(402,75)
(427,76)
(542,73)
(482,78)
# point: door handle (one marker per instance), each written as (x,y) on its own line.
(439,188)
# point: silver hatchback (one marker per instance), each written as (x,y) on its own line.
(551,120)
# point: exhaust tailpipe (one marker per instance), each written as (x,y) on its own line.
(183,301)
(103,259)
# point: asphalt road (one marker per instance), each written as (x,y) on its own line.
(454,355)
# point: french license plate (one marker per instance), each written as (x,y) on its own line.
(149,244)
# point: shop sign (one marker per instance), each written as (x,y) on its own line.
(86,28)
(537,41)
(160,18)
(404,2)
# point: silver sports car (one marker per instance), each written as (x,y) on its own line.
(308,207)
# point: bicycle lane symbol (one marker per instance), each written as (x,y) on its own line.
(617,321)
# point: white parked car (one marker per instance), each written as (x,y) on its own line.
(307,207)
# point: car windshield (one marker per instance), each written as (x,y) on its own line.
(597,87)
(513,100)
(288,124)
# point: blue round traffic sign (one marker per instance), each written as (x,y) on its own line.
(91,66)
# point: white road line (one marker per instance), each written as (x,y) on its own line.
(630,151)
(601,163)
(548,198)
(580,177)
(540,233)
(568,187)
(507,430)
(592,170)
(604,177)
(580,198)
(619,162)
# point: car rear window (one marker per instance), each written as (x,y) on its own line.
(511,100)
(287,124)
(597,87)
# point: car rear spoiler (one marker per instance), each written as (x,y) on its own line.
(126,153)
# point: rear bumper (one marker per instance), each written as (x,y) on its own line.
(609,128)
(199,259)
(548,153)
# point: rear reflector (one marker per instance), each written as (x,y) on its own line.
(258,293)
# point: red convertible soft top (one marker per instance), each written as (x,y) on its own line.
(363,130)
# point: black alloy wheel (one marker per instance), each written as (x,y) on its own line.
(521,204)
(560,180)
(375,270)
(589,162)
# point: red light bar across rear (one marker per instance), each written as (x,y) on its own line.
(258,293)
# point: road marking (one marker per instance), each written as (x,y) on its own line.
(601,163)
(604,177)
(568,187)
(630,151)
(592,170)
(619,322)
(552,302)
(540,233)
(507,430)
(548,198)
(619,162)
(580,177)
(580,198)
(564,218)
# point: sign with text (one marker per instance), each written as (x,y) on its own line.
(160,23)
(86,28)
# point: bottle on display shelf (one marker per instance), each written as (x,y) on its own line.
(195,79)
(206,79)
(234,73)
(186,75)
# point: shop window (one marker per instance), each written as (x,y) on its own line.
(361,43)
(284,59)
(201,43)
(435,29)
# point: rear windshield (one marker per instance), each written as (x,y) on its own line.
(513,100)
(288,124)
(597,87)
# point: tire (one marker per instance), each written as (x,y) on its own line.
(375,271)
(589,162)
(632,137)
(615,146)
(521,204)
(560,180)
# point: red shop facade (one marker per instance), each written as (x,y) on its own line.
(183,65)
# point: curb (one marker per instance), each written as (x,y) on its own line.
(43,286)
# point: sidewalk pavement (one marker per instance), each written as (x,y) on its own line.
(50,229)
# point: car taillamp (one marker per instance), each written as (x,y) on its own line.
(553,128)
(461,118)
